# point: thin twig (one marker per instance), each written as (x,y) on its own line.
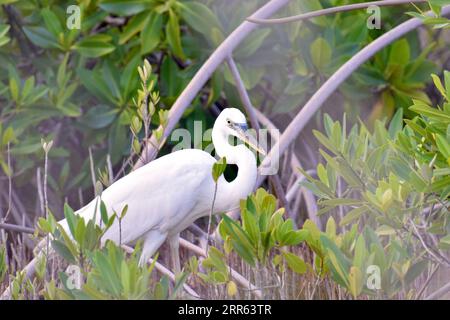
(9,183)
(211,212)
(441,260)
(91,166)
(318,13)
(427,282)
(16,228)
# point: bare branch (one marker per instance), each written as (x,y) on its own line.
(205,72)
(318,13)
(439,293)
(330,86)
(16,228)
(250,110)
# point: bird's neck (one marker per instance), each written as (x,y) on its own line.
(244,183)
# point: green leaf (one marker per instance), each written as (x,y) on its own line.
(173,35)
(338,263)
(443,145)
(63,251)
(438,2)
(250,226)
(51,22)
(133,26)
(104,212)
(8,136)
(70,218)
(4,40)
(320,52)
(360,252)
(294,262)
(423,109)
(98,117)
(125,7)
(325,142)
(444,243)
(151,34)
(94,46)
(199,17)
(41,37)
(4,28)
(447,84)
(396,124)
(219,168)
(400,53)
(355,281)
(439,86)
(252,43)
(93,82)
(352,215)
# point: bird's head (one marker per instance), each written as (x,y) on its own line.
(232,122)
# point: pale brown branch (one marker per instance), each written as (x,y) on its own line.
(16,228)
(331,85)
(207,69)
(318,13)
(250,110)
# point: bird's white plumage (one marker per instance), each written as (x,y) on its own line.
(168,194)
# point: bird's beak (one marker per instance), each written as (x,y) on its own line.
(246,137)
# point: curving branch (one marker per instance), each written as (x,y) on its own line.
(318,13)
(250,110)
(330,86)
(439,293)
(205,72)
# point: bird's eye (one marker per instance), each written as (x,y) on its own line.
(229,121)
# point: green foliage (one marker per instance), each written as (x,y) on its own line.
(219,168)
(436,20)
(3,263)
(399,74)
(82,82)
(392,179)
(347,256)
(262,231)
(105,270)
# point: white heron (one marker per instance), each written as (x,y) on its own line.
(168,194)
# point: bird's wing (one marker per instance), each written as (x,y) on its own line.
(160,195)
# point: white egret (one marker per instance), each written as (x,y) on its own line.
(168,194)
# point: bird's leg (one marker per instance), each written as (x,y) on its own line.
(152,241)
(174,243)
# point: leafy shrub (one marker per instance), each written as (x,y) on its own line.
(394,179)
(106,271)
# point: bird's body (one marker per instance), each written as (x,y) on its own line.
(168,194)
